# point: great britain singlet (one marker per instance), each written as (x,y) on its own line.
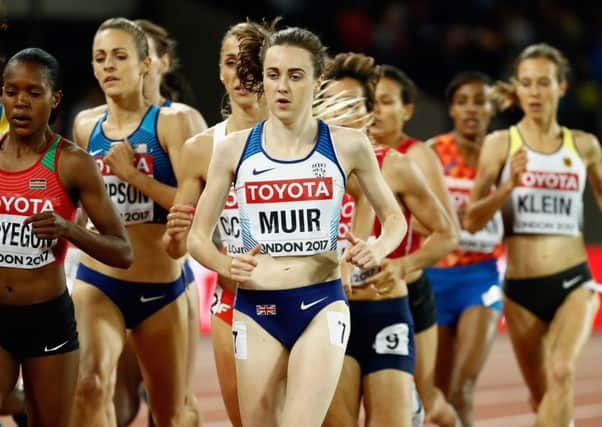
(459,177)
(549,197)
(228,223)
(25,193)
(150,158)
(290,207)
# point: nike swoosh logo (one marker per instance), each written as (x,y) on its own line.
(568,283)
(259,172)
(95,152)
(311,304)
(47,350)
(144,299)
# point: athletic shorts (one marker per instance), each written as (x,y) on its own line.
(459,288)
(285,313)
(382,335)
(38,330)
(222,305)
(543,295)
(422,303)
(187,272)
(136,300)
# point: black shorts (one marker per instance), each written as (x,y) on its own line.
(42,329)
(422,303)
(543,295)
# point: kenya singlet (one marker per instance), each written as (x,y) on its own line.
(25,193)
(291,207)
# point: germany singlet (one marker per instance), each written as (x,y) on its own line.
(150,158)
(25,193)
(549,197)
(459,177)
(291,207)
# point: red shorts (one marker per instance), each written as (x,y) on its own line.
(222,305)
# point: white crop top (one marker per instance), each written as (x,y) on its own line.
(290,207)
(549,197)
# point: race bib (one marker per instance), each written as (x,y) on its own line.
(393,339)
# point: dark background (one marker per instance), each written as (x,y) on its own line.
(430,40)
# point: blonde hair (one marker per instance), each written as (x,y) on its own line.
(503,94)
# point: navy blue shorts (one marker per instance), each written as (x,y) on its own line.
(459,288)
(382,335)
(136,300)
(285,313)
(37,330)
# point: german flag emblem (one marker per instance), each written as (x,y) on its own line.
(37,184)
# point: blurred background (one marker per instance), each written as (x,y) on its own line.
(430,40)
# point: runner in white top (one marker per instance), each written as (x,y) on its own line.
(549,299)
(244,110)
(291,320)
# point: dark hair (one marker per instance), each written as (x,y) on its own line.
(49,64)
(250,69)
(463,78)
(130,27)
(408,89)
(35,55)
(164,44)
(358,67)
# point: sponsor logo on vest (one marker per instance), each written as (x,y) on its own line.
(290,190)
(260,171)
(142,162)
(231,201)
(566,181)
(24,206)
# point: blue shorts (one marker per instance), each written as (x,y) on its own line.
(187,272)
(285,313)
(382,335)
(136,300)
(459,288)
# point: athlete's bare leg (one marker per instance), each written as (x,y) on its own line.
(527,334)
(102,337)
(50,383)
(223,351)
(161,341)
(438,411)
(475,333)
(388,398)
(345,406)
(566,338)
